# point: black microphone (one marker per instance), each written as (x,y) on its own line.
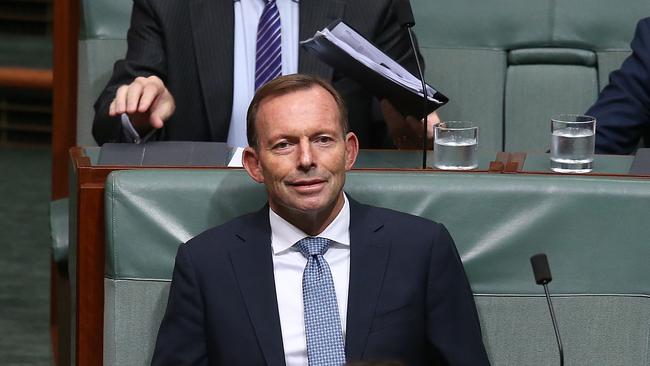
(406,20)
(543,277)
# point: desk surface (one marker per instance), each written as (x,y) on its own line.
(412,159)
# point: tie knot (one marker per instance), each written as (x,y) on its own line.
(312,246)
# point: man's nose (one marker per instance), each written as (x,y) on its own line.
(306,156)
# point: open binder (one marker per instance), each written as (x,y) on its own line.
(344,49)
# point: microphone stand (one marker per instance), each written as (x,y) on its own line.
(543,276)
(404,15)
(424,93)
(557,330)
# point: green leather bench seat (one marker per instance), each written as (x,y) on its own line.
(59,230)
(102,41)
(510,65)
(589,227)
(506,64)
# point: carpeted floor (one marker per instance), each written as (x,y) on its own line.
(24,256)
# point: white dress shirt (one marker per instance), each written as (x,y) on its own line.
(247,16)
(288,267)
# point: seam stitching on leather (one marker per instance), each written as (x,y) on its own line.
(647,345)
(134,279)
(113,197)
(551,19)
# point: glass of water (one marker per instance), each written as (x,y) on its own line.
(572,143)
(455,145)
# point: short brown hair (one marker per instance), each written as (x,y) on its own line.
(287,84)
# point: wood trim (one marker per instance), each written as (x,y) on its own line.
(22,77)
(60,307)
(90,275)
(63,82)
(64,97)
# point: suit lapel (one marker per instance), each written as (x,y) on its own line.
(369,251)
(213,24)
(253,266)
(316,15)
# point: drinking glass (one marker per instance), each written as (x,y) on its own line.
(455,145)
(572,143)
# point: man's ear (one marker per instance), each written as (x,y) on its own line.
(251,163)
(351,150)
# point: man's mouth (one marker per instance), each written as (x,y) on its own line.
(306,185)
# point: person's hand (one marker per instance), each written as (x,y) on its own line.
(147,102)
(406,132)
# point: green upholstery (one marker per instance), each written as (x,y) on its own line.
(525,127)
(509,65)
(59,228)
(102,41)
(600,265)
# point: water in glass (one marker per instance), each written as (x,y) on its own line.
(572,150)
(453,153)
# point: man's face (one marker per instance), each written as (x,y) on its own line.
(302,154)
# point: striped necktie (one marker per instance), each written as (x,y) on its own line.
(268,58)
(325,344)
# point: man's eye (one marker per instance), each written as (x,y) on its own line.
(323,140)
(281,145)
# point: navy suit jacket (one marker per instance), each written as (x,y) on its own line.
(189,44)
(622,110)
(409,298)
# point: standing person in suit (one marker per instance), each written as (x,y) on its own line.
(191,66)
(315,277)
(622,110)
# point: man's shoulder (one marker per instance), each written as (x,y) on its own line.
(415,235)
(644,22)
(643,31)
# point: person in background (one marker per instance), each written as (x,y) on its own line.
(315,277)
(192,67)
(622,110)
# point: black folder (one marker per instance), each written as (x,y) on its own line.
(404,99)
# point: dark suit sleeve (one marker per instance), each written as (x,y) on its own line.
(145,57)
(622,110)
(181,338)
(453,328)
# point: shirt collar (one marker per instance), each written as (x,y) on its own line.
(284,235)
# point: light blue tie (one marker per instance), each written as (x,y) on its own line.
(268,58)
(325,345)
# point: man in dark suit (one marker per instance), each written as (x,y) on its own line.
(622,110)
(178,72)
(315,277)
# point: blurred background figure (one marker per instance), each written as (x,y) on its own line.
(622,110)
